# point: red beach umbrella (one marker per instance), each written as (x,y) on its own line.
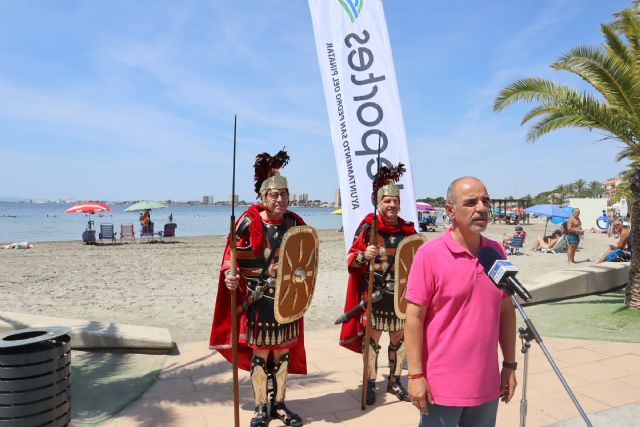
(422,206)
(88,207)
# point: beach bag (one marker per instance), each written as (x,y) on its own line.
(89,237)
(622,256)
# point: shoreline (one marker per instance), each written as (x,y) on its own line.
(173,285)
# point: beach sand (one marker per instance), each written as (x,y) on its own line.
(173,285)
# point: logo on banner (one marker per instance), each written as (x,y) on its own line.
(352,7)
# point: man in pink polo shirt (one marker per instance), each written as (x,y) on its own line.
(456,317)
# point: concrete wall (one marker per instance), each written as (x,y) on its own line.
(590,210)
(590,279)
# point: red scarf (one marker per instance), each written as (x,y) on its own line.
(402,225)
(255,228)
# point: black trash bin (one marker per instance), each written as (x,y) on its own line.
(35,380)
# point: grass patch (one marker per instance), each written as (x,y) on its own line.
(596,317)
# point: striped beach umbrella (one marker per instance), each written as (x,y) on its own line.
(88,207)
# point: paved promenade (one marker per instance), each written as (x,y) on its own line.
(194,388)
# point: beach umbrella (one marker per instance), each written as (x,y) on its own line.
(548,211)
(422,206)
(144,205)
(337,212)
(89,208)
(561,219)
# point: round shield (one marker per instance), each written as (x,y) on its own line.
(297,271)
(402,265)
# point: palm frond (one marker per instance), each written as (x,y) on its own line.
(615,46)
(628,24)
(624,154)
(532,89)
(555,121)
(611,77)
(537,111)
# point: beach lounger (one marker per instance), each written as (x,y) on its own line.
(517,244)
(106,232)
(560,246)
(126,232)
(147,232)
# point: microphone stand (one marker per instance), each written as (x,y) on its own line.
(527,335)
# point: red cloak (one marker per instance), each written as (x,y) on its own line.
(352,330)
(220,338)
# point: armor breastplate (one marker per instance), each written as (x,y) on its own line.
(274,234)
(387,242)
(251,263)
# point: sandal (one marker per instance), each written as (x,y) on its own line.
(397,390)
(287,417)
(260,417)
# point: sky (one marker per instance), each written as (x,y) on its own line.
(124,100)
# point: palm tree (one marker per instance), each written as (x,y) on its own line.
(613,71)
(580,185)
(595,189)
(562,190)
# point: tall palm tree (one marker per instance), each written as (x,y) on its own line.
(562,191)
(595,189)
(613,71)
(579,186)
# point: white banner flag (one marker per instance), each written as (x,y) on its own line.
(360,88)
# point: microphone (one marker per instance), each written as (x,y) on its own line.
(502,272)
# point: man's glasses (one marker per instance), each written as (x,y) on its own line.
(275,194)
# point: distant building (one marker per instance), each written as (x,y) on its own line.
(208,200)
(609,186)
(303,199)
(336,200)
(234,199)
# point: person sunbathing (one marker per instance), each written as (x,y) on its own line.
(547,242)
(619,251)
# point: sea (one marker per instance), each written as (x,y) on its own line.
(46,222)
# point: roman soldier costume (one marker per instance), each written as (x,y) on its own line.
(383,313)
(257,251)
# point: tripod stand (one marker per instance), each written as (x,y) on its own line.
(527,335)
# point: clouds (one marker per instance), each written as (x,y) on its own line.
(120,90)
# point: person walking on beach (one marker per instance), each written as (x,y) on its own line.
(574,231)
(391,229)
(267,348)
(456,318)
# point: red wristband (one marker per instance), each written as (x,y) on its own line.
(415,376)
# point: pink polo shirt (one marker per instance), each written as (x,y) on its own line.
(461,331)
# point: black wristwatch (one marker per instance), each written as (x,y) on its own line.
(510,365)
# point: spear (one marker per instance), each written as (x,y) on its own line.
(234,314)
(373,237)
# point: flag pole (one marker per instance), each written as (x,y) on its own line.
(234,314)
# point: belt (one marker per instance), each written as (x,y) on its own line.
(259,288)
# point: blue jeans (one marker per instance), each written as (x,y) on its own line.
(462,416)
